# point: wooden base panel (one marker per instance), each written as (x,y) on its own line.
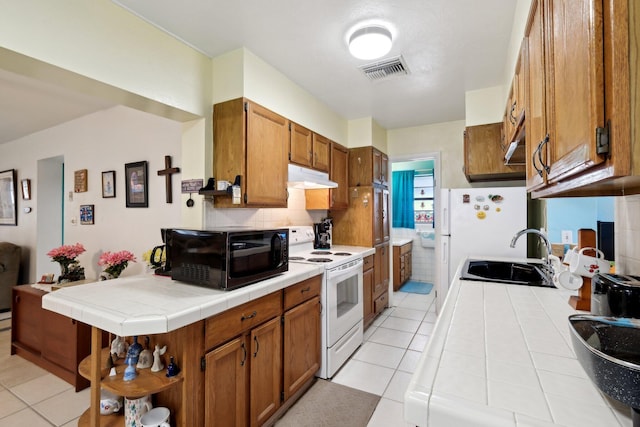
(113,420)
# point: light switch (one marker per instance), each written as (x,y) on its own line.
(567,236)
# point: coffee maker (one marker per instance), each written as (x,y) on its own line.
(322,232)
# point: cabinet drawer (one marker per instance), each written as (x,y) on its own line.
(300,292)
(380,303)
(406,248)
(367,263)
(235,321)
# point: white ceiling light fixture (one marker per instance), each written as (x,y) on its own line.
(370,42)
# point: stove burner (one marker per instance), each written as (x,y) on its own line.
(342,253)
(296,258)
(320,253)
(319,259)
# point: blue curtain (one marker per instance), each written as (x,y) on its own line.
(402,199)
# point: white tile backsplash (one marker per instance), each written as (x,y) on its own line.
(627,234)
(295,214)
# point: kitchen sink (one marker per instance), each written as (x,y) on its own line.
(608,350)
(515,273)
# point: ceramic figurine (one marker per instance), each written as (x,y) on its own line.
(172,368)
(111,364)
(157,360)
(134,352)
(119,346)
(146,358)
(130,372)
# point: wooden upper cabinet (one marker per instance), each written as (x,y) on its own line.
(340,174)
(575,90)
(582,89)
(309,149)
(368,165)
(321,153)
(483,157)
(300,147)
(252,142)
(536,128)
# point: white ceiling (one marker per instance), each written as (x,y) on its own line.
(449,46)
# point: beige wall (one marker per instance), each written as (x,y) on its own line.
(98,142)
(446,138)
(627,234)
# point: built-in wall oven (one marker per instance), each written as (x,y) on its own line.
(341,298)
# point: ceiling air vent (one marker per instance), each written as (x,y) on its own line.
(388,67)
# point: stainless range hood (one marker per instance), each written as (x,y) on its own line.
(308,179)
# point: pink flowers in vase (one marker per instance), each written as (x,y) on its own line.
(65,255)
(115,263)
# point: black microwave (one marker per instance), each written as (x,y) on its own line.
(228,258)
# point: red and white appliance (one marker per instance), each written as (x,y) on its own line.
(341,297)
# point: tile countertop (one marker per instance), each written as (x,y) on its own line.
(400,241)
(501,355)
(360,250)
(148,304)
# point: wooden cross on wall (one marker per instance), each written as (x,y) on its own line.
(167,172)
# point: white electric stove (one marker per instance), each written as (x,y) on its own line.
(341,296)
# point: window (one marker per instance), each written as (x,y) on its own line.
(423,199)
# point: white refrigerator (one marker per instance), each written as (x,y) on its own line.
(477,222)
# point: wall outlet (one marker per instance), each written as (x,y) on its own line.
(567,236)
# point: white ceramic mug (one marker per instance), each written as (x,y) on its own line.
(109,402)
(134,409)
(567,280)
(157,417)
(588,266)
(571,254)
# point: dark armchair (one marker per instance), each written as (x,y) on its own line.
(9,271)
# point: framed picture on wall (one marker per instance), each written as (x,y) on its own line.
(86,214)
(8,190)
(108,184)
(136,181)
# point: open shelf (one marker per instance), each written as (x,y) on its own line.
(146,382)
(113,420)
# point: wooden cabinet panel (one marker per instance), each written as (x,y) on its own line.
(226,384)
(252,142)
(536,128)
(368,165)
(235,321)
(367,300)
(59,340)
(483,155)
(301,345)
(266,371)
(300,151)
(26,319)
(300,292)
(340,174)
(321,153)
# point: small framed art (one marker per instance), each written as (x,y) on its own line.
(86,214)
(80,181)
(8,190)
(108,184)
(25,184)
(136,179)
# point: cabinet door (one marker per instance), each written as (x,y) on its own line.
(483,156)
(226,385)
(301,345)
(576,85)
(381,270)
(266,365)
(26,319)
(377,166)
(385,215)
(340,174)
(267,157)
(367,285)
(321,153)
(536,108)
(377,215)
(60,340)
(300,145)
(384,169)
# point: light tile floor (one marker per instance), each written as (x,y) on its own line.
(383,365)
(30,396)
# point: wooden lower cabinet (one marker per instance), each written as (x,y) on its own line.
(251,376)
(367,286)
(226,384)
(52,341)
(301,345)
(375,280)
(401,264)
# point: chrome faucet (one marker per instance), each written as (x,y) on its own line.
(542,237)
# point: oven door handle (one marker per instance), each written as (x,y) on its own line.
(339,273)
